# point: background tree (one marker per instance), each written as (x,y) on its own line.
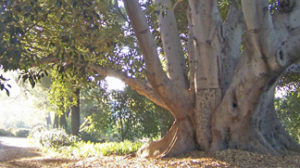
(136,117)
(120,115)
(287,104)
(64,95)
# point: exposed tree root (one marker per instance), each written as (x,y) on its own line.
(179,139)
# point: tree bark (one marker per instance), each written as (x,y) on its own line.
(248,121)
(179,139)
(227,101)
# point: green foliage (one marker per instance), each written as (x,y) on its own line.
(120,115)
(224,6)
(5,132)
(288,106)
(288,111)
(70,34)
(52,138)
(88,149)
(22,132)
(62,93)
(96,113)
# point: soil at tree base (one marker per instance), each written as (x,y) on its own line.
(228,158)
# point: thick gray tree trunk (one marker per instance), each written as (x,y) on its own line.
(226,99)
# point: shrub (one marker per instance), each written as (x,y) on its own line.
(52,138)
(4,132)
(22,132)
(88,136)
(89,149)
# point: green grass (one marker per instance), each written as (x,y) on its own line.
(89,149)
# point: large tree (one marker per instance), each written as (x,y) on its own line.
(225,100)
(213,70)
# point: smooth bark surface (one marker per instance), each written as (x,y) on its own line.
(224,97)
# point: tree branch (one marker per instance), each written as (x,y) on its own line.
(142,88)
(289,52)
(191,51)
(171,44)
(233,29)
(155,73)
(174,97)
(260,27)
(274,46)
(207,42)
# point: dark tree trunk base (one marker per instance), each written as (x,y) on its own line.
(253,128)
(179,139)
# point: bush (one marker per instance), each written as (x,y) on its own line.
(87,136)
(4,132)
(52,138)
(22,132)
(89,149)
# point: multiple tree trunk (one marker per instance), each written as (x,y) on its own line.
(226,99)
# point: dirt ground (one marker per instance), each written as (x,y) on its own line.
(29,157)
(230,158)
